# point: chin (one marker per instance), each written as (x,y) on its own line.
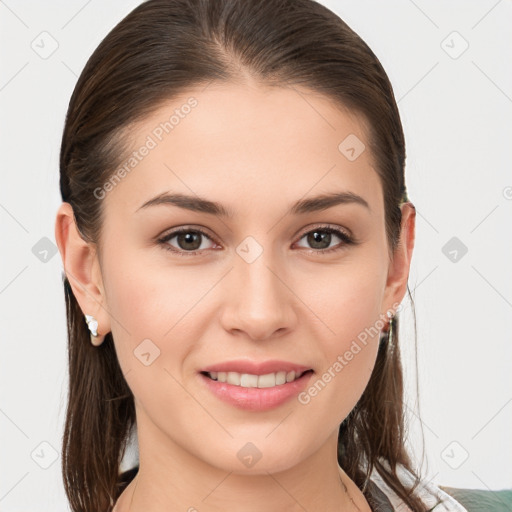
(256,458)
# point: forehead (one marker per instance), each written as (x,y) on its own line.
(247,144)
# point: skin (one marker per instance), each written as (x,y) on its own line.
(256,150)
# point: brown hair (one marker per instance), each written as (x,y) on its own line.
(159,50)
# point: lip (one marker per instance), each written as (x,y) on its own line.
(256,367)
(256,399)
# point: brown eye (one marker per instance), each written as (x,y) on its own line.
(320,239)
(188,241)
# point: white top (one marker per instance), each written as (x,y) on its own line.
(424,490)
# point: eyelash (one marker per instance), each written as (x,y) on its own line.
(346,240)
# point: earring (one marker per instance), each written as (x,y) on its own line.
(387,338)
(92,323)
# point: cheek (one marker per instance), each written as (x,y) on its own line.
(146,296)
(152,310)
(347,340)
(348,301)
(158,312)
(144,305)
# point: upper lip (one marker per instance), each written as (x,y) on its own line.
(256,367)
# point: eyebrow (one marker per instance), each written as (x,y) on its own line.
(198,204)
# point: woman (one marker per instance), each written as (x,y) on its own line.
(236,237)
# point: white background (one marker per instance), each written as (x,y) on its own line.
(457,115)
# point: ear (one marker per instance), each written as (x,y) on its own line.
(398,274)
(82,268)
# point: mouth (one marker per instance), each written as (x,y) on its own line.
(249,380)
(258,391)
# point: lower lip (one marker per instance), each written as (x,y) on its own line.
(256,399)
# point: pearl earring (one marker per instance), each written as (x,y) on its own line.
(92,323)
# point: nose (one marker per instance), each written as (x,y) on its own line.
(259,304)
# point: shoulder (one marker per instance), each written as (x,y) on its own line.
(439,498)
(433,497)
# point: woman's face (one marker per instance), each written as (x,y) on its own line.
(259,286)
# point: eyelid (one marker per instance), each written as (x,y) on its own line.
(186,228)
(321,226)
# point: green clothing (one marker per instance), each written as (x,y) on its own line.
(476,500)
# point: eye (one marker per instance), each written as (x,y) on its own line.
(188,240)
(320,239)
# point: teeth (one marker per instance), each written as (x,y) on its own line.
(233,378)
(247,380)
(280,378)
